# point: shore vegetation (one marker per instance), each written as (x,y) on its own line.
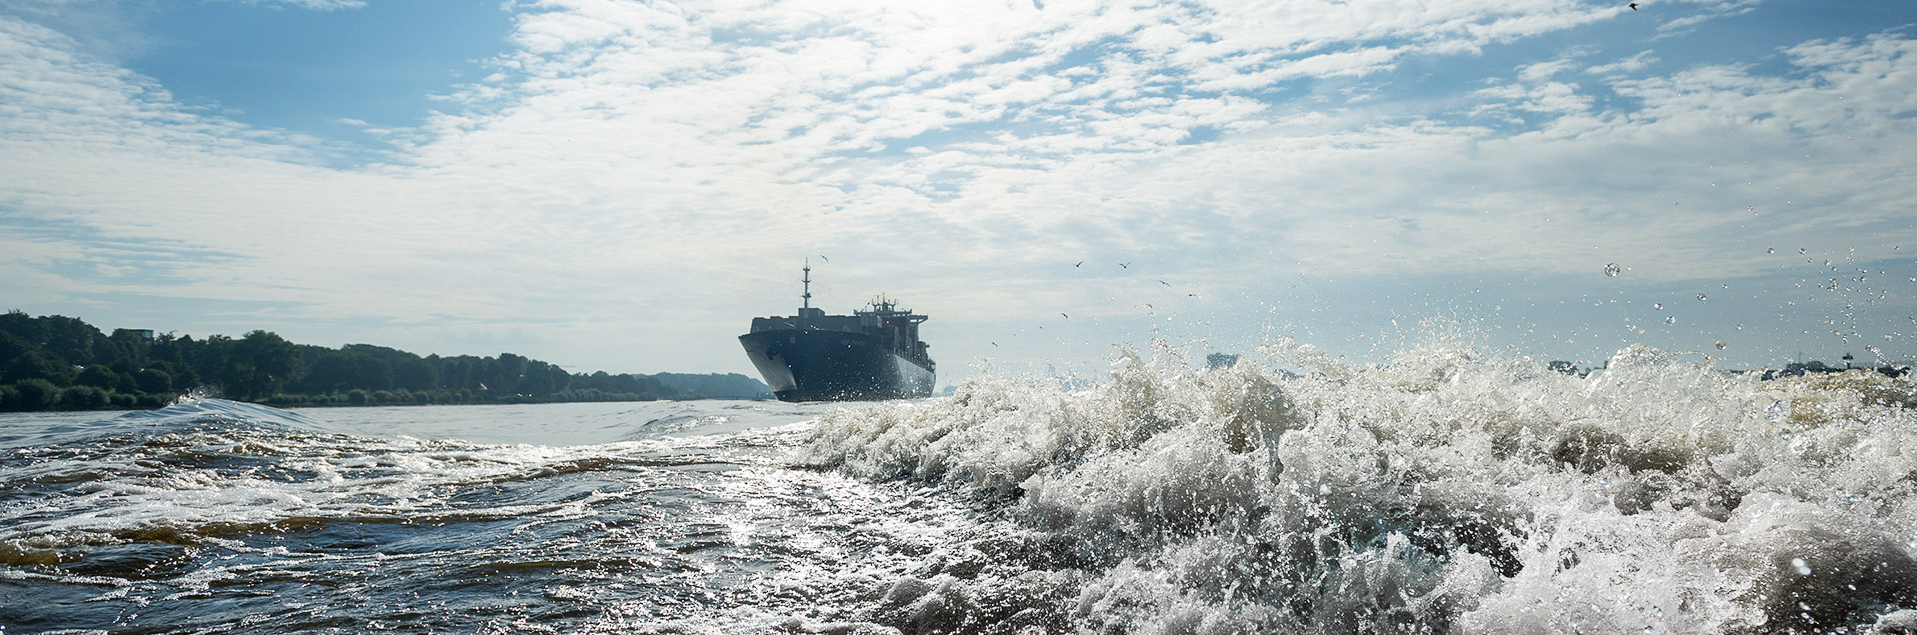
(56,362)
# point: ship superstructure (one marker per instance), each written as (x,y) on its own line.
(875,353)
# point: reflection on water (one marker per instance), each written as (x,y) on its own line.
(218,516)
(1447,491)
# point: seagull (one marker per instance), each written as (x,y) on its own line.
(822,257)
(1066,316)
(1633,6)
(1079,263)
(1164,283)
(995,343)
(1125,265)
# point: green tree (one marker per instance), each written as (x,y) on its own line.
(20,325)
(97,376)
(34,394)
(182,377)
(80,397)
(371,373)
(257,365)
(170,351)
(537,380)
(454,372)
(509,368)
(328,371)
(71,339)
(129,346)
(37,365)
(12,346)
(208,357)
(415,374)
(153,380)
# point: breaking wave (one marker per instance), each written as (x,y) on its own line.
(202,470)
(1444,491)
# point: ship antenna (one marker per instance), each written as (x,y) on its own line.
(808,284)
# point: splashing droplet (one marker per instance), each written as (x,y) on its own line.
(1612,270)
(1771,250)
(1720,345)
(1670,320)
(1657,305)
(1700,297)
(1800,250)
(1803,568)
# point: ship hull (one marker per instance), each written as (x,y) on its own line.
(834,366)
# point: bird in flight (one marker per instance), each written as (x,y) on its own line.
(1125,265)
(1079,263)
(1164,283)
(1066,316)
(822,257)
(1633,6)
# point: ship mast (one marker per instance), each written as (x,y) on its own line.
(807,298)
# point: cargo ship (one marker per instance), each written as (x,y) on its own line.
(873,354)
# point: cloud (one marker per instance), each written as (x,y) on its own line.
(1632,64)
(660,168)
(316,5)
(1712,10)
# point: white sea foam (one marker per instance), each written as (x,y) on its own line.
(204,468)
(1445,490)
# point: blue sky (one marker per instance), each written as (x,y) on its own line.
(622,185)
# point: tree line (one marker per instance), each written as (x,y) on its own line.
(62,363)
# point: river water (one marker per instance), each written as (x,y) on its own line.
(1446,491)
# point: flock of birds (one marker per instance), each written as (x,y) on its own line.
(1079,264)
(1121,265)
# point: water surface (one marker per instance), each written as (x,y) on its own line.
(1447,491)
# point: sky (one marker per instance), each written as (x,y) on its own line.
(622,185)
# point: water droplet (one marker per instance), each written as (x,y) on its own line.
(1700,297)
(1800,250)
(1670,320)
(1771,250)
(1720,345)
(1612,270)
(1657,305)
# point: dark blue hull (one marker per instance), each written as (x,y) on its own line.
(806,365)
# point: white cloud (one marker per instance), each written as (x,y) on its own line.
(1712,10)
(661,167)
(1632,64)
